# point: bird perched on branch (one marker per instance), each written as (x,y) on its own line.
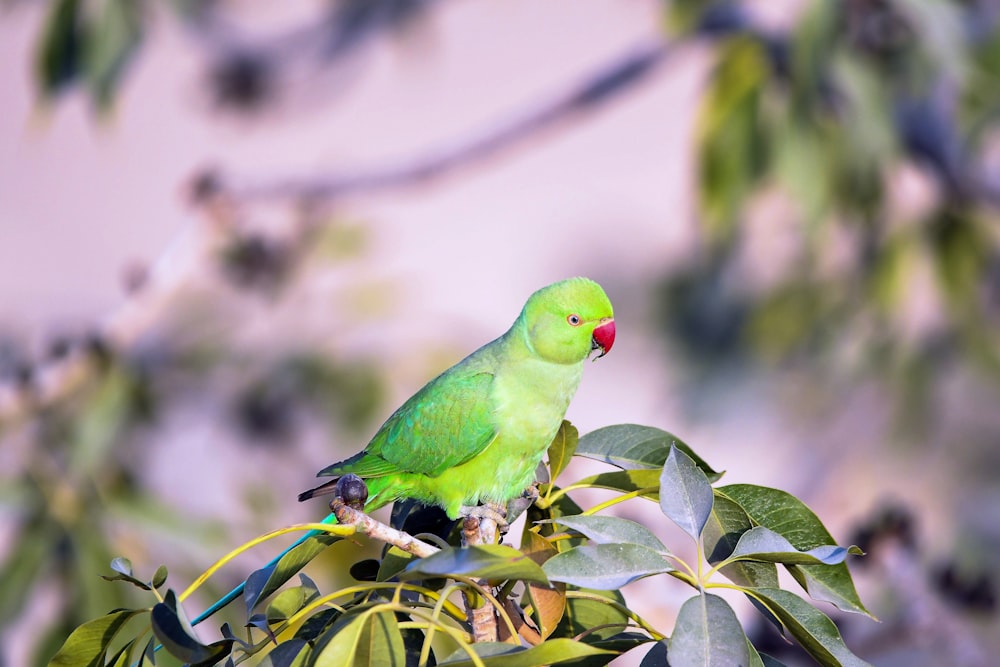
(471,439)
(477,432)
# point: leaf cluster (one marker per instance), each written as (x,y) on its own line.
(556,597)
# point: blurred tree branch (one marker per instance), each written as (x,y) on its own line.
(221,200)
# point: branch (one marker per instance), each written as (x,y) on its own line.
(606,83)
(348,501)
(478,530)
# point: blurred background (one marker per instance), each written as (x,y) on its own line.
(235,235)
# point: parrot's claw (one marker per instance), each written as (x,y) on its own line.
(494,512)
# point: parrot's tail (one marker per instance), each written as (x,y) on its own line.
(238,591)
(321,490)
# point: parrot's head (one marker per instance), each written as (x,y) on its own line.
(566,321)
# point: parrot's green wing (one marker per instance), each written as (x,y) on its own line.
(443,425)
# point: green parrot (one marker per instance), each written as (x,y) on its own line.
(477,432)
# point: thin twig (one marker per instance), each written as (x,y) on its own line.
(599,87)
(364,523)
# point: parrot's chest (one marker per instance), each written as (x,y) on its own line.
(529,410)
(528,406)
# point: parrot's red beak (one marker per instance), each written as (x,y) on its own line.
(604,337)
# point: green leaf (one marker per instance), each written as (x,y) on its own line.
(88,644)
(159,577)
(265,581)
(686,497)
(365,638)
(788,516)
(562,448)
(174,632)
(725,525)
(707,632)
(551,652)
(584,614)
(634,447)
(612,529)
(605,566)
(763,544)
(114,36)
(393,562)
(548,602)
(813,629)
(291,600)
(492,561)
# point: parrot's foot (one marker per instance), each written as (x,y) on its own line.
(492,511)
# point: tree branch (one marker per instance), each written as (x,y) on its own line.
(606,83)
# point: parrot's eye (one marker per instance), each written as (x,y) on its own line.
(574,320)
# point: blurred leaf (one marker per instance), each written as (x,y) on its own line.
(605,566)
(763,544)
(101,423)
(87,645)
(364,638)
(159,577)
(960,251)
(551,652)
(888,280)
(725,525)
(788,516)
(491,561)
(811,628)
(60,47)
(612,529)
(685,495)
(30,552)
(635,447)
(562,449)
(731,139)
(114,36)
(707,632)
(174,633)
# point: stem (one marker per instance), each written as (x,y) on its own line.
(618,499)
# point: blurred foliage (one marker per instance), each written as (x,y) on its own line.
(81,487)
(836,115)
(92,43)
